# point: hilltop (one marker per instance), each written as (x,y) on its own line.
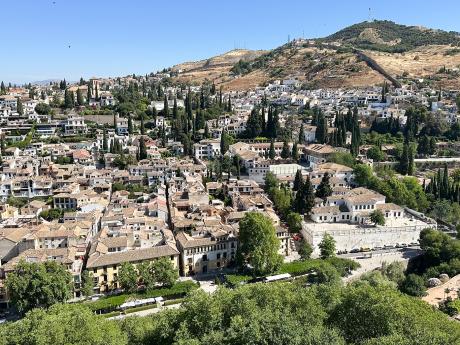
(340,60)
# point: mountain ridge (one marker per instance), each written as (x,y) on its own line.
(336,60)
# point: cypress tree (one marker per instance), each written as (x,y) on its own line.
(165,107)
(96,93)
(206,131)
(142,125)
(88,95)
(115,121)
(130,124)
(19,107)
(324,189)
(142,149)
(301,134)
(229,104)
(224,142)
(298,181)
(271,152)
(404,160)
(285,152)
(2,88)
(80,101)
(411,164)
(253,125)
(175,110)
(295,152)
(263,124)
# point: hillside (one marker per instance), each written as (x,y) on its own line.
(398,51)
(215,68)
(390,37)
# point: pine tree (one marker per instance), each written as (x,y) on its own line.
(19,107)
(271,152)
(285,152)
(142,149)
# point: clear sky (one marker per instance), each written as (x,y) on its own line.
(115,37)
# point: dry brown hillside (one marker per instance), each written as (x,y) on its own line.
(216,68)
(397,51)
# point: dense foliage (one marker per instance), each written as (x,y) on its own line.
(276,314)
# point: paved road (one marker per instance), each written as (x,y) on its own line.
(372,260)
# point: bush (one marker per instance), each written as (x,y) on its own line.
(109,304)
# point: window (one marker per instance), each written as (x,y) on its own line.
(218,256)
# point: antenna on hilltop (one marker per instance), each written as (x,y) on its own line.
(289,38)
(369,19)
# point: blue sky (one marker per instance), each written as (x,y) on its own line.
(114,37)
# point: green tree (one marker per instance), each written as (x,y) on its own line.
(42,109)
(142,129)
(165,107)
(142,149)
(295,152)
(271,151)
(38,285)
(128,277)
(413,285)
(254,124)
(298,181)
(70,324)
(68,99)
(19,106)
(294,222)
(225,142)
(130,124)
(164,272)
(327,246)
(285,152)
(377,217)
(324,189)
(305,250)
(258,244)
(87,283)
(80,100)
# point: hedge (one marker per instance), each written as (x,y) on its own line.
(108,304)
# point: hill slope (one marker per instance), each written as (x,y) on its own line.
(336,60)
(388,36)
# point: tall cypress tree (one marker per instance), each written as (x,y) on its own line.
(295,152)
(301,134)
(271,151)
(142,149)
(130,124)
(19,106)
(165,107)
(105,145)
(298,181)
(142,125)
(80,101)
